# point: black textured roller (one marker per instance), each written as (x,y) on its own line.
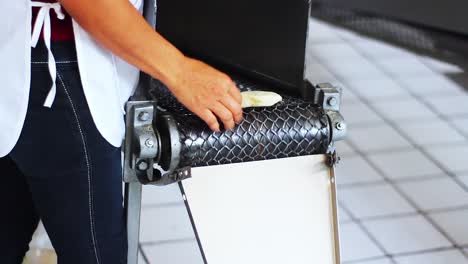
(291,128)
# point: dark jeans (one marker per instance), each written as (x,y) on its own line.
(63,172)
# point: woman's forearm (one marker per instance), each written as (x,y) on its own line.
(119,27)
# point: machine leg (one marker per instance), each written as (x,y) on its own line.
(133,195)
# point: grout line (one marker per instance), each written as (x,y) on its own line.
(412,146)
(394,126)
(355,185)
(163,205)
(423,151)
(442,249)
(168,241)
(143,254)
(358,222)
(365,260)
(405,254)
(408,179)
(416,213)
(402,133)
(418,98)
(412,203)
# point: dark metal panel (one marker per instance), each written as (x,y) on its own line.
(449,15)
(264,37)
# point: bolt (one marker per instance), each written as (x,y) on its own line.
(340,126)
(144,116)
(332,101)
(149,143)
(142,165)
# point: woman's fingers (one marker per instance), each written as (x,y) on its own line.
(210,119)
(234,107)
(235,93)
(223,114)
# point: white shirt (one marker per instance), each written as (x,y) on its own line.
(103,75)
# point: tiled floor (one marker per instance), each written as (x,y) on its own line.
(403,179)
(404,173)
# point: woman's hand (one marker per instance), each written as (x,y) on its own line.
(208,93)
(202,89)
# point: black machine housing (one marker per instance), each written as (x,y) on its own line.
(264,39)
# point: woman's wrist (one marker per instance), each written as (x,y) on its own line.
(172,75)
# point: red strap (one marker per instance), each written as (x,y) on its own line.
(62,30)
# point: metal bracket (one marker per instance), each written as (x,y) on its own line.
(332,157)
(144,161)
(141,146)
(328,97)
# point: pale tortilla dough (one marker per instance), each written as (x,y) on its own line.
(260,99)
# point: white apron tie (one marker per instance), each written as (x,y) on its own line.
(43,22)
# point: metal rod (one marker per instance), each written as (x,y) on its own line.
(334,208)
(133,195)
(133,190)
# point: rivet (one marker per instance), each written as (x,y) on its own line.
(144,116)
(332,101)
(340,126)
(149,143)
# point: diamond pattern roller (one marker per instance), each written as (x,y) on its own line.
(291,128)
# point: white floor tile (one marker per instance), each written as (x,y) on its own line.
(464,179)
(453,158)
(349,35)
(322,32)
(405,66)
(349,97)
(432,132)
(186,252)
(406,234)
(378,49)
(355,244)
(344,149)
(371,201)
(455,224)
(377,261)
(354,69)
(358,114)
(355,170)
(438,257)
(343,216)
(428,86)
(40,256)
(461,123)
(450,106)
(378,89)
(154,195)
(404,164)
(377,138)
(441,66)
(436,193)
(405,109)
(334,51)
(165,223)
(317,73)
(141,260)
